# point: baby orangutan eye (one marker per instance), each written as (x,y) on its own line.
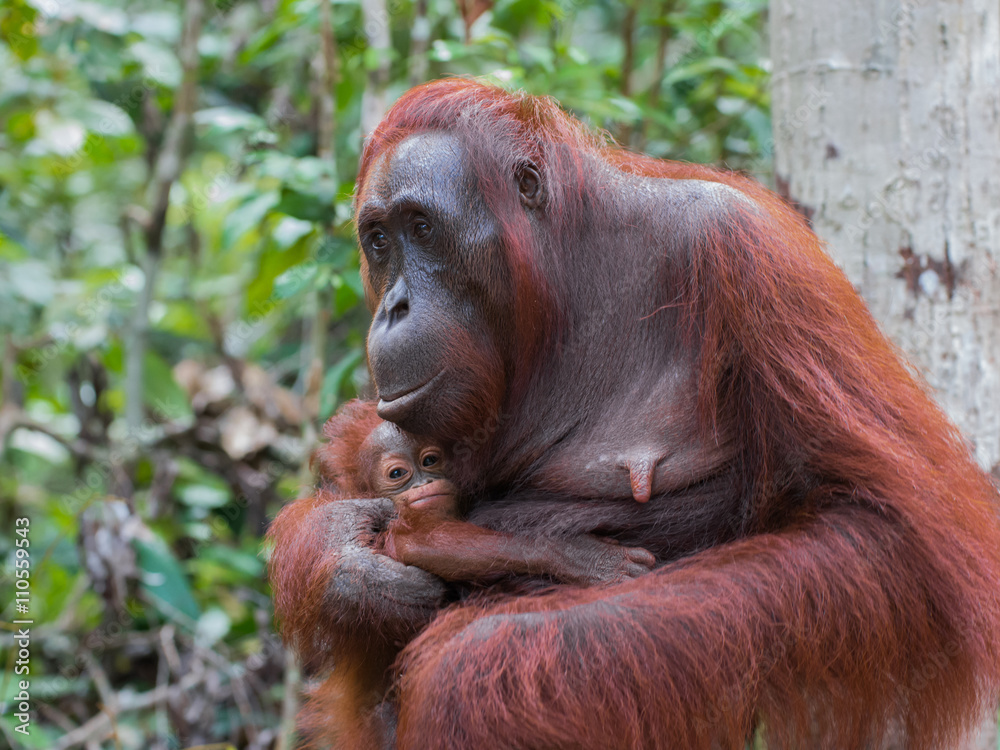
(397,472)
(429,460)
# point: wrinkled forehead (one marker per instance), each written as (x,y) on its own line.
(388,438)
(418,168)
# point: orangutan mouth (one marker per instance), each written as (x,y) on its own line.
(392,409)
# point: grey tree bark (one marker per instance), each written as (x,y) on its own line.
(887,136)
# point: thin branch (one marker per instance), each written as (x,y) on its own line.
(376,18)
(19,420)
(170,159)
(99,727)
(163,669)
(314,334)
(628,58)
(57,717)
(103,685)
(169,648)
(167,169)
(420,40)
(628,63)
(290,703)
(662,43)
(328,75)
(135,354)
(7,367)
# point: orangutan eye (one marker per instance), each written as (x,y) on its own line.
(430,459)
(397,473)
(421,230)
(378,240)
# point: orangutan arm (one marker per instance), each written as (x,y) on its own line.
(460,551)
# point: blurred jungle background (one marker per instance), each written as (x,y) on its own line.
(181,307)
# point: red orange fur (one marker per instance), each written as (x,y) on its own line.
(860,601)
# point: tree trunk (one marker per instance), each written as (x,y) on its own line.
(373,105)
(887,136)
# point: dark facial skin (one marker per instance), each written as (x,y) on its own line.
(409,471)
(429,303)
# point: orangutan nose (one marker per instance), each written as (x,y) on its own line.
(396,303)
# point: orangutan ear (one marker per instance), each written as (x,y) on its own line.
(529,185)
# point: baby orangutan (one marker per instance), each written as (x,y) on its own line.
(429,530)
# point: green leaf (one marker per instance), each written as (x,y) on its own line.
(334,379)
(295,280)
(160,391)
(345,296)
(183,318)
(163,25)
(699,68)
(34,281)
(352,278)
(159,62)
(290,230)
(164,583)
(443,51)
(39,736)
(247,217)
(318,205)
(203,495)
(17,29)
(336,252)
(11,249)
(212,627)
(48,687)
(103,119)
(534,54)
(106,18)
(228,119)
(273,262)
(56,135)
(246,565)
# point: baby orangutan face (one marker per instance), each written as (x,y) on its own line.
(409,471)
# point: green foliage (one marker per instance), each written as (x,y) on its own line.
(246,329)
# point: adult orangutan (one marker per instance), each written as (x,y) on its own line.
(663,355)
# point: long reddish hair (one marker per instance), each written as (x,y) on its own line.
(336,461)
(886,552)
(824,409)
